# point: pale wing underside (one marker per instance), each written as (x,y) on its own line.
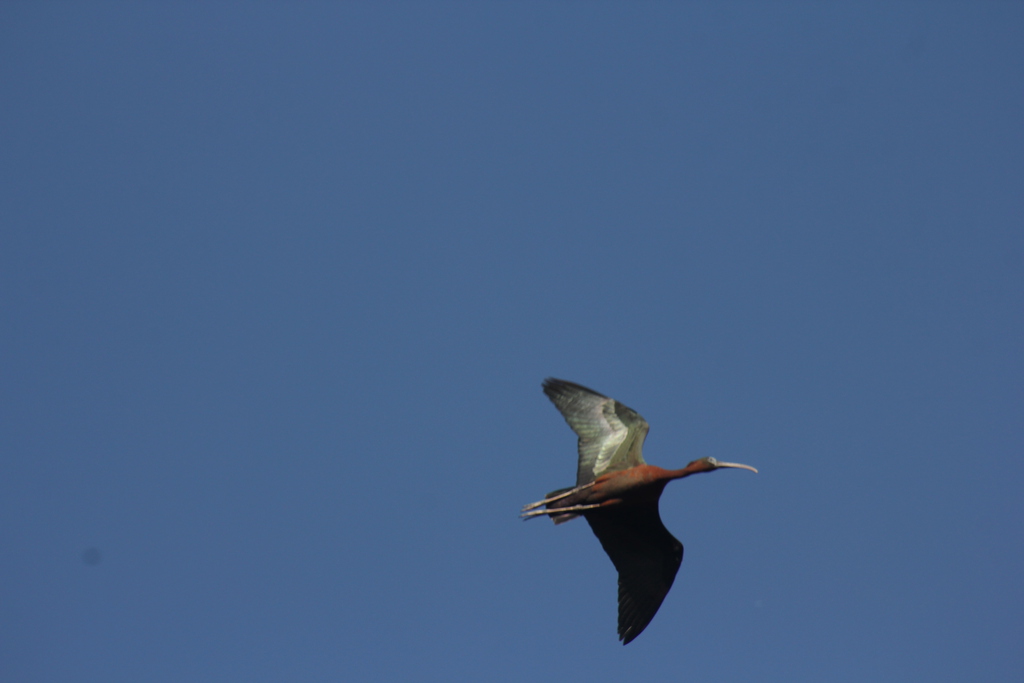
(611,435)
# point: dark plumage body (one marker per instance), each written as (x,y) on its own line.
(618,493)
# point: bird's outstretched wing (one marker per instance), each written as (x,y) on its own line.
(646,556)
(611,434)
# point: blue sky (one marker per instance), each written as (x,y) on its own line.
(279,284)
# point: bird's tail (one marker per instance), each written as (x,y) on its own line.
(565,502)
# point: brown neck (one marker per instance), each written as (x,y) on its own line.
(694,467)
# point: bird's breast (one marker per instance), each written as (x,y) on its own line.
(635,485)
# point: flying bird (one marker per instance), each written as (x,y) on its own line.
(617,493)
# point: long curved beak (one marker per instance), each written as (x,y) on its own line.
(736,465)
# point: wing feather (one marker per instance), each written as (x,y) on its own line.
(646,556)
(611,435)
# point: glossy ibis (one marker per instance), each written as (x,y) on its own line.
(617,493)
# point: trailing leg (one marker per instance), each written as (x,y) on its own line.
(557,495)
(572,509)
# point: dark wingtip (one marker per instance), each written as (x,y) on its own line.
(559,387)
(553,384)
(554,387)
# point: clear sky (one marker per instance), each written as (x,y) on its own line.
(279,283)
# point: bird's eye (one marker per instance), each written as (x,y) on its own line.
(711,461)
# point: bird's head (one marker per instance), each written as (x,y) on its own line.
(710,464)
